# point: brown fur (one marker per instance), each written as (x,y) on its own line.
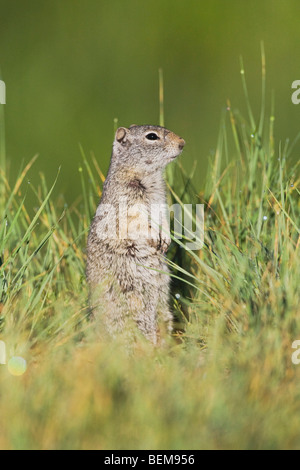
(128,275)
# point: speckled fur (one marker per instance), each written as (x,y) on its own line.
(128,280)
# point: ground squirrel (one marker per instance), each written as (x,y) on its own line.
(126,268)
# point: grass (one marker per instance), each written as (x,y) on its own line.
(227,381)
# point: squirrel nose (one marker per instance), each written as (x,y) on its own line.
(181,143)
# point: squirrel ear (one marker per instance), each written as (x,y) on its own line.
(121,134)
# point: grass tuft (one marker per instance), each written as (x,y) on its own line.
(228,380)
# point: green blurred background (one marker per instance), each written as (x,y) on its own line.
(72,66)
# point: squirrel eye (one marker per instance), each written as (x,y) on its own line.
(152,136)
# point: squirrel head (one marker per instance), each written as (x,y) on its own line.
(146,148)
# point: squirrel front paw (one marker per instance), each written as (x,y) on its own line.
(165,242)
(160,239)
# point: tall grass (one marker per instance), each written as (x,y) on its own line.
(227,381)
